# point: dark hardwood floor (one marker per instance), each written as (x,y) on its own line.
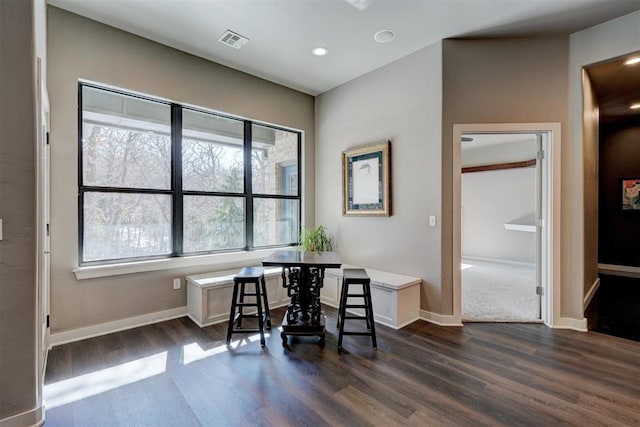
(615,308)
(176,374)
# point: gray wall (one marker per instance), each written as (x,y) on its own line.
(500,81)
(489,200)
(83,49)
(400,102)
(18,337)
(590,143)
(599,43)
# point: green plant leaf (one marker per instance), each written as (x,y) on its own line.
(315,239)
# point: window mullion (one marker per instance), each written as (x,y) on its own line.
(80,179)
(248,184)
(176,178)
(299,194)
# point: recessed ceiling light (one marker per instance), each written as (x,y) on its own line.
(384,36)
(635,106)
(320,51)
(632,61)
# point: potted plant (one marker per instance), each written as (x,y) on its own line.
(315,240)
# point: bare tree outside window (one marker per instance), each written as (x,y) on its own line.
(123,151)
(131,184)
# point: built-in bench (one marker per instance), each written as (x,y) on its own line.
(209,294)
(396,298)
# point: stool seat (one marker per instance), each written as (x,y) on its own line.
(255,276)
(249,273)
(356,276)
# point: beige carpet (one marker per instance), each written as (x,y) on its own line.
(498,292)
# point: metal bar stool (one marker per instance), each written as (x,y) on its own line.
(254,275)
(356,276)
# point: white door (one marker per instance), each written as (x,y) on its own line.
(539,220)
(43,212)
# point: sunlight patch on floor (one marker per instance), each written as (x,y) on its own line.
(464,266)
(87,385)
(193,352)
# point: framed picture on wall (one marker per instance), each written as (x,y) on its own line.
(366,180)
(630,192)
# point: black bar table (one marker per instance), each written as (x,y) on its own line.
(303,276)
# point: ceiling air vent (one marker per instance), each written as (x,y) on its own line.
(232,39)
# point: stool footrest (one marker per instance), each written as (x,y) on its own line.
(239,316)
(363,333)
(356,306)
(356,295)
(355,317)
(246,304)
(248,330)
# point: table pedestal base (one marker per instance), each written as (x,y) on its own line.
(300,328)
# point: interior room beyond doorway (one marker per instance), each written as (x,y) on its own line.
(500,201)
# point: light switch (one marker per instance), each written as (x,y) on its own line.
(432,220)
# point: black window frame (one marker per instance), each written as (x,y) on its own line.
(176,191)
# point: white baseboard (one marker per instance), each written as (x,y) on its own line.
(498,260)
(592,291)
(221,318)
(402,325)
(29,418)
(579,325)
(64,337)
(214,321)
(440,319)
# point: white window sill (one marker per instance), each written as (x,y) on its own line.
(215,261)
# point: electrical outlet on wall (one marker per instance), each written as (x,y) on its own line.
(176,283)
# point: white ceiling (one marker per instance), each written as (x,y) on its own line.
(283,32)
(492,148)
(484,140)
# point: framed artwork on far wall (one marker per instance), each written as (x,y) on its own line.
(630,193)
(366,180)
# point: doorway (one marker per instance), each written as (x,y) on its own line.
(546,221)
(500,202)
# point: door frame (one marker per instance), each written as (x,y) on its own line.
(549,231)
(43,200)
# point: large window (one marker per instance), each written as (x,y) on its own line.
(159,179)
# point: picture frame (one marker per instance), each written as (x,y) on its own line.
(630,194)
(366,180)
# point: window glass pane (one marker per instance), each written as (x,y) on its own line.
(212,153)
(274,161)
(124,225)
(213,223)
(275,221)
(126,141)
